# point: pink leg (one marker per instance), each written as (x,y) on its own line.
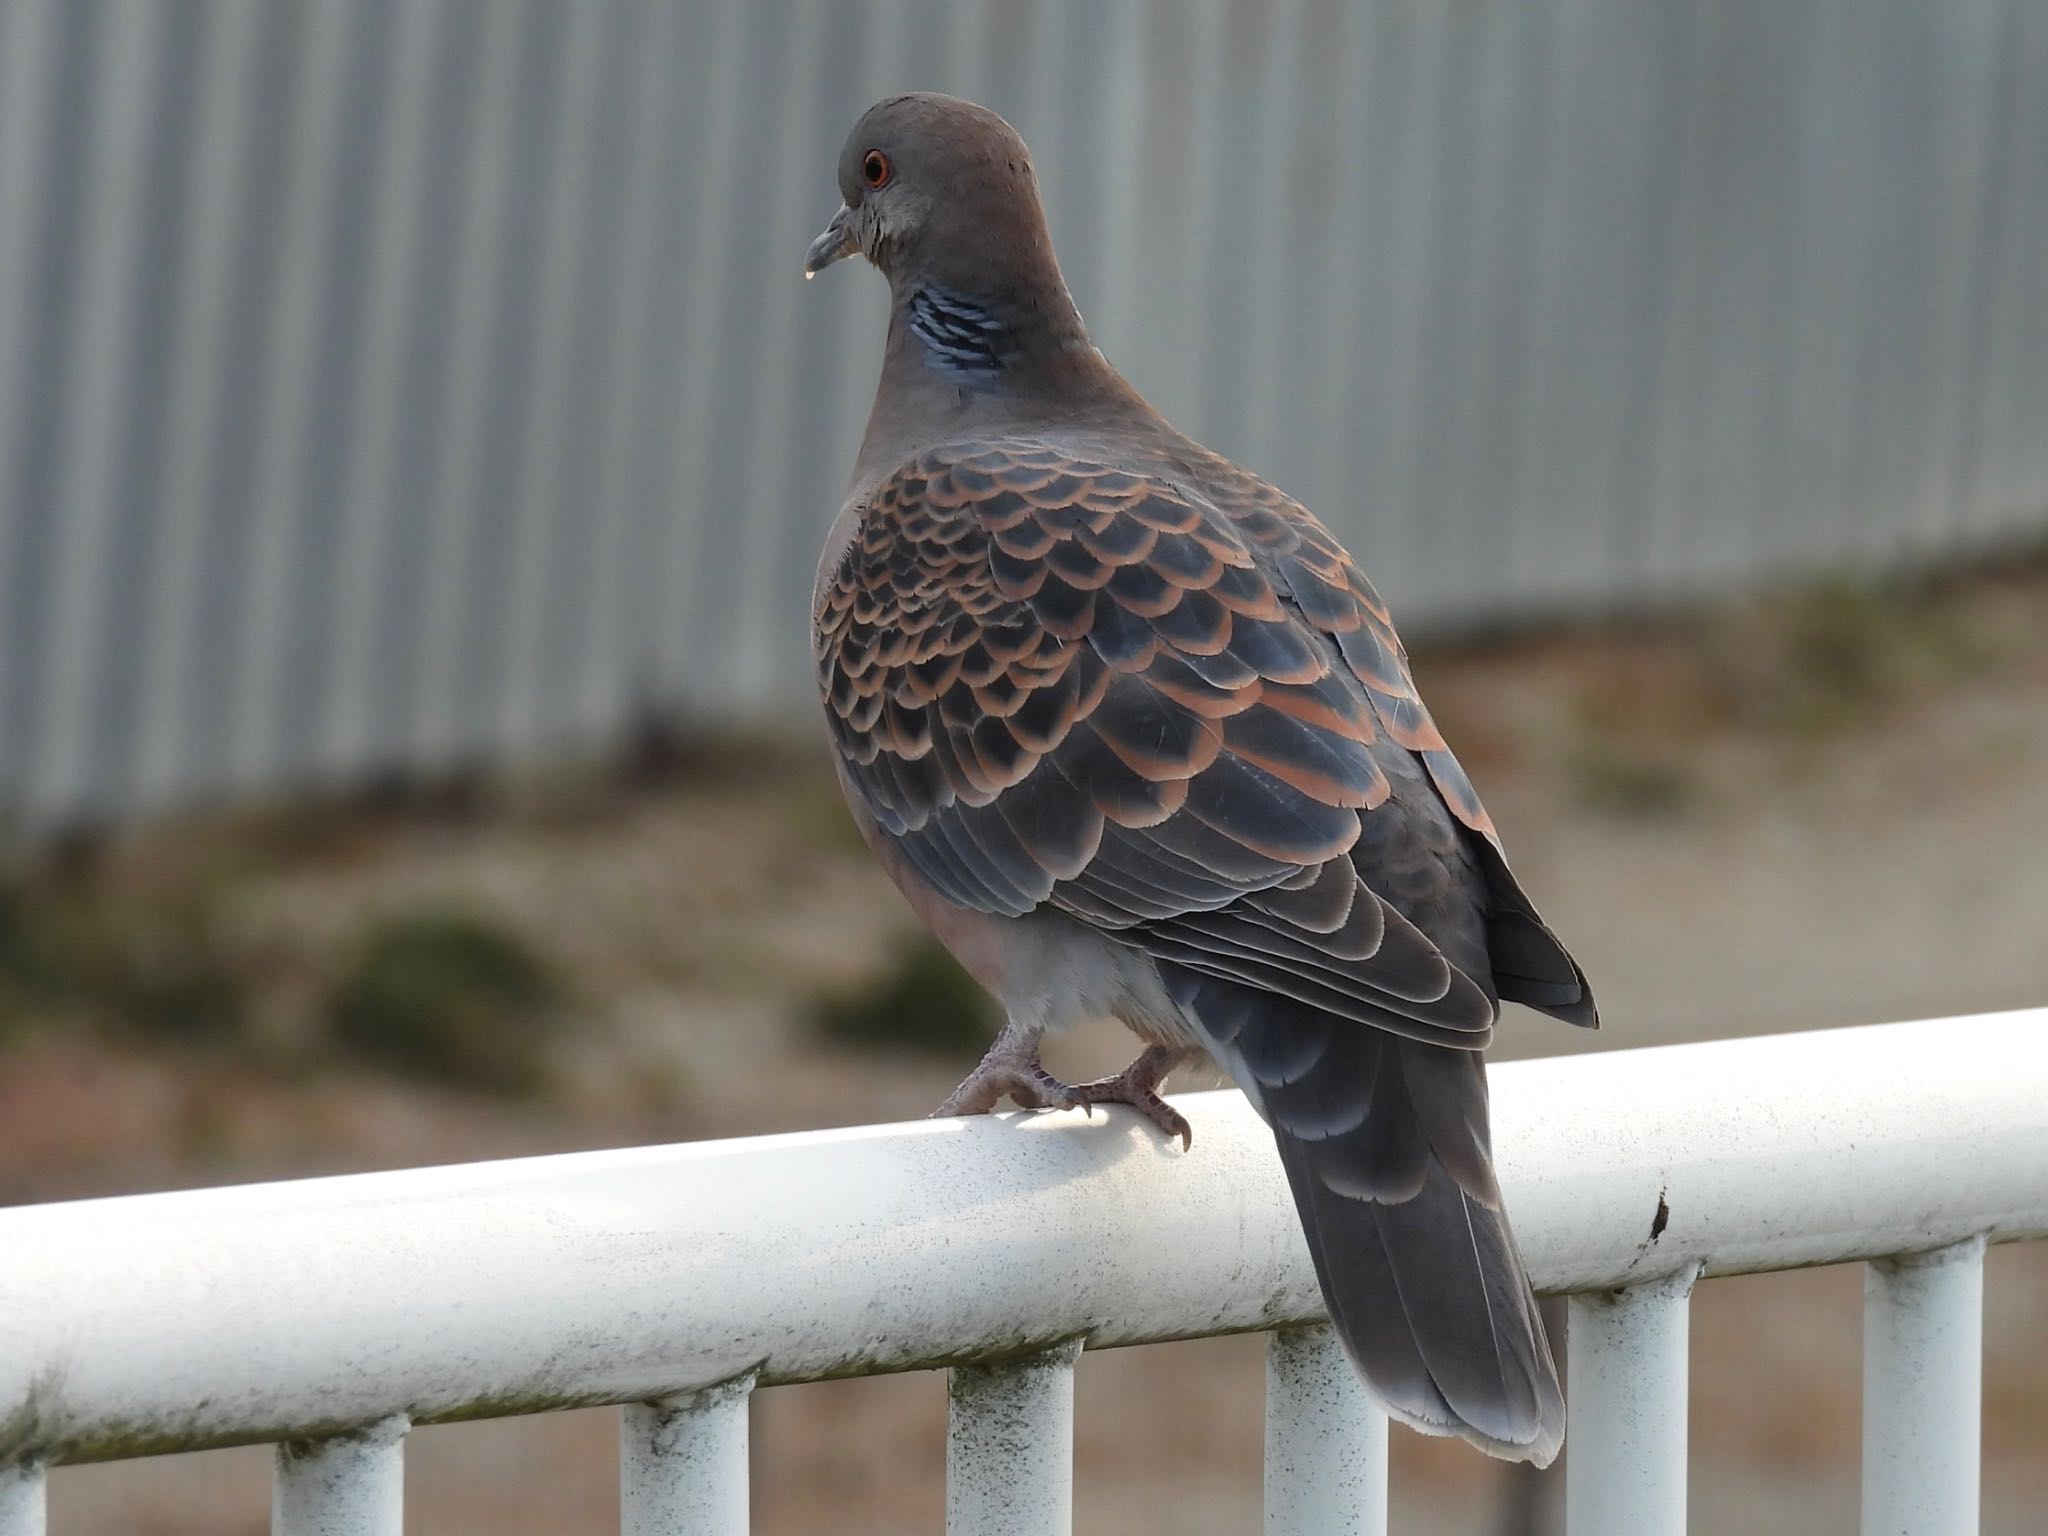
(1011,1070)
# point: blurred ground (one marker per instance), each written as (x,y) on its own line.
(1826,808)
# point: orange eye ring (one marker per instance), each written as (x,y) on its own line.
(875,170)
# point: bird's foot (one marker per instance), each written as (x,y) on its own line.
(1018,1076)
(1138,1086)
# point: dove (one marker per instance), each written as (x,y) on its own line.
(1135,737)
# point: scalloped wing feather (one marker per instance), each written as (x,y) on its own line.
(1061,682)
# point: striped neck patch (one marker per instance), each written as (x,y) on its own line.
(960,335)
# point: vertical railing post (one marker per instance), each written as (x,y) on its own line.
(683,1463)
(347,1485)
(1923,1374)
(23,1503)
(1625,1475)
(1010,1446)
(1326,1440)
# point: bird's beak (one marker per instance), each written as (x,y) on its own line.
(831,246)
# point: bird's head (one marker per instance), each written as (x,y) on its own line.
(936,188)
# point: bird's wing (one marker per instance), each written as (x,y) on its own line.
(1324,584)
(1060,683)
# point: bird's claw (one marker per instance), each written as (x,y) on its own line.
(1023,1080)
(1138,1086)
(1026,1082)
(1120,1090)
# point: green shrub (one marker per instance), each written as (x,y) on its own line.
(150,967)
(174,976)
(1626,780)
(450,997)
(923,1002)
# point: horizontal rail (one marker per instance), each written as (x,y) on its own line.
(289,1311)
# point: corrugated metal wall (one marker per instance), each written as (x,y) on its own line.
(391,383)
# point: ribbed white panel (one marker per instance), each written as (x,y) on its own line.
(72,661)
(326,80)
(29,42)
(476,342)
(369,501)
(387,388)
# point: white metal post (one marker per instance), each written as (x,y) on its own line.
(1326,1440)
(683,1463)
(22,1501)
(1010,1447)
(1923,1375)
(1625,1475)
(350,1485)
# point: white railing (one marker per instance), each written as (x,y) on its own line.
(327,1316)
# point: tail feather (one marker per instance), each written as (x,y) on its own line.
(1386,1148)
(1528,963)
(1431,1303)
(1430,1298)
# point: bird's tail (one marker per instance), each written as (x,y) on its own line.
(1386,1147)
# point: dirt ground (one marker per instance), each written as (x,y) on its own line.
(1825,809)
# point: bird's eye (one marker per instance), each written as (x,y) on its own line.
(875,170)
